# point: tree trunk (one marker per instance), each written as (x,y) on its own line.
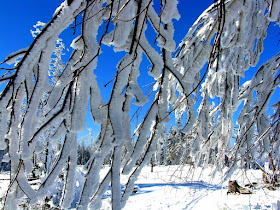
(152,165)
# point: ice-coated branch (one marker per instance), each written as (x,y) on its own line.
(45,102)
(239,31)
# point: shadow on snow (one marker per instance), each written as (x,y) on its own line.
(146,188)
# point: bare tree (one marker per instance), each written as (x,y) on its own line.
(35,109)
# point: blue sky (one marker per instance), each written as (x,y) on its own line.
(18,17)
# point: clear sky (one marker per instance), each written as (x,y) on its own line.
(17,18)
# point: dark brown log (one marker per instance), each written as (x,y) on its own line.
(234,187)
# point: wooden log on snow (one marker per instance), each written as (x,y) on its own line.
(234,187)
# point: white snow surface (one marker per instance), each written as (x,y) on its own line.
(181,187)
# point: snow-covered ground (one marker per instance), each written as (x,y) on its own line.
(181,187)
(4,183)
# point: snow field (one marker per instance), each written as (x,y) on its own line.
(181,187)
